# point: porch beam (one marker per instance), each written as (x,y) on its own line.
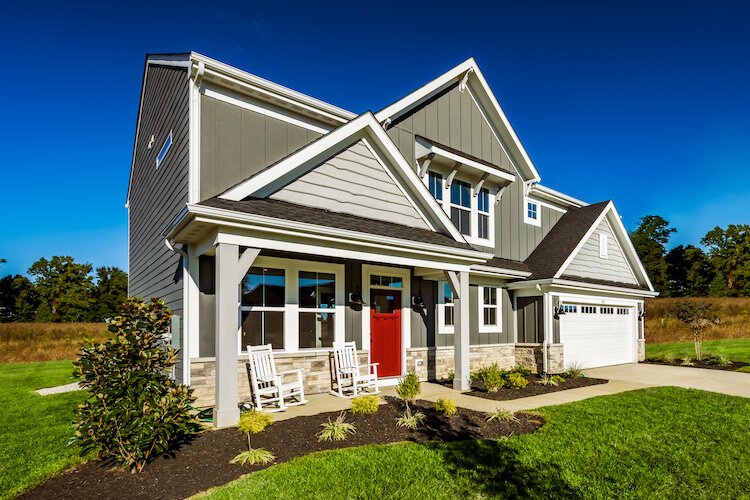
(459,282)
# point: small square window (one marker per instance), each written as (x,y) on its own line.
(532,213)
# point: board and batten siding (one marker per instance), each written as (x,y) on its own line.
(588,264)
(353,182)
(453,118)
(158,195)
(237,143)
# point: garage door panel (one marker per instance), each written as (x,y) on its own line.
(596,339)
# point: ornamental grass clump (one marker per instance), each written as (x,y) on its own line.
(336,430)
(253,422)
(551,380)
(446,407)
(501,415)
(407,390)
(365,405)
(134,410)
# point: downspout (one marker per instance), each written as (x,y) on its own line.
(184,344)
(546,325)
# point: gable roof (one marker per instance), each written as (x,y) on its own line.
(272,178)
(468,75)
(285,210)
(553,255)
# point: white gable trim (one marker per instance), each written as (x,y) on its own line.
(469,72)
(620,235)
(273,178)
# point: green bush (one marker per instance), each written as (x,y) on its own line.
(717,360)
(491,377)
(134,411)
(557,379)
(522,370)
(446,406)
(408,388)
(516,381)
(744,369)
(551,380)
(365,405)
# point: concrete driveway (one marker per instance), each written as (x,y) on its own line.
(725,382)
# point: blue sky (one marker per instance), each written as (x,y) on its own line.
(643,102)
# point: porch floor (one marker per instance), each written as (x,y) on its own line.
(324,403)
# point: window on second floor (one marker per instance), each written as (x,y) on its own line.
(532,213)
(483,214)
(164,150)
(435,183)
(461,206)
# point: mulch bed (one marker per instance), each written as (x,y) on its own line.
(699,364)
(534,388)
(204,463)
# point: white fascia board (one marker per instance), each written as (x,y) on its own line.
(499,272)
(583,240)
(229,218)
(449,155)
(556,196)
(563,284)
(271,179)
(217,68)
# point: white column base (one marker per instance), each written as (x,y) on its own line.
(227,417)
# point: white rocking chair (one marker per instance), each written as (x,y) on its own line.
(267,385)
(351,378)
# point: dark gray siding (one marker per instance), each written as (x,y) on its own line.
(237,143)
(157,195)
(530,316)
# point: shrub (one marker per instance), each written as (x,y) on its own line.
(491,377)
(408,388)
(253,422)
(451,375)
(502,415)
(336,430)
(253,456)
(526,372)
(134,411)
(717,360)
(365,405)
(410,420)
(744,369)
(446,406)
(575,371)
(687,361)
(516,381)
(552,380)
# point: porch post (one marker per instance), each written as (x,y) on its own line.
(460,284)
(226,409)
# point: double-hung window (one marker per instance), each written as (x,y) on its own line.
(435,184)
(262,308)
(446,308)
(461,206)
(483,214)
(317,309)
(489,309)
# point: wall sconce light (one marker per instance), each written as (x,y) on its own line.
(642,315)
(418,301)
(355,299)
(559,311)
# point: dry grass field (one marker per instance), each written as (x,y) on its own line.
(663,326)
(28,342)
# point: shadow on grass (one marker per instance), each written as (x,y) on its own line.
(496,470)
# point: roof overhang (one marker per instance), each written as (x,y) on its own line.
(426,148)
(201,226)
(563,284)
(548,194)
(469,77)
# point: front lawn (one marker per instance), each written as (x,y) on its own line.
(34,430)
(734,349)
(661,442)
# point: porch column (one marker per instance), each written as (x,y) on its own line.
(230,269)
(459,282)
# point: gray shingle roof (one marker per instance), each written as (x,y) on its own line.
(310,215)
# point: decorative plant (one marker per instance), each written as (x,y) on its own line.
(408,389)
(551,380)
(253,422)
(365,405)
(516,381)
(501,415)
(687,361)
(491,377)
(134,410)
(718,361)
(446,406)
(336,430)
(698,316)
(575,371)
(522,370)
(451,375)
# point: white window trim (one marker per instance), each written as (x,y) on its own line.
(498,326)
(534,222)
(444,329)
(603,246)
(291,309)
(446,204)
(168,142)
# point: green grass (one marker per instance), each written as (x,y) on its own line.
(734,349)
(655,443)
(34,430)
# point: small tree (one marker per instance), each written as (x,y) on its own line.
(408,389)
(134,410)
(697,315)
(253,422)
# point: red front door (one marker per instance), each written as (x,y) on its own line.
(385,331)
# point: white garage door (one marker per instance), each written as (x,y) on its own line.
(594,335)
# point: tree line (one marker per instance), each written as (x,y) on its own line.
(63,290)
(721,270)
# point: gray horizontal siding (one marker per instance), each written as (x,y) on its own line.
(157,195)
(237,143)
(588,264)
(353,182)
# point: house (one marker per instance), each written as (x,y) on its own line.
(421,231)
